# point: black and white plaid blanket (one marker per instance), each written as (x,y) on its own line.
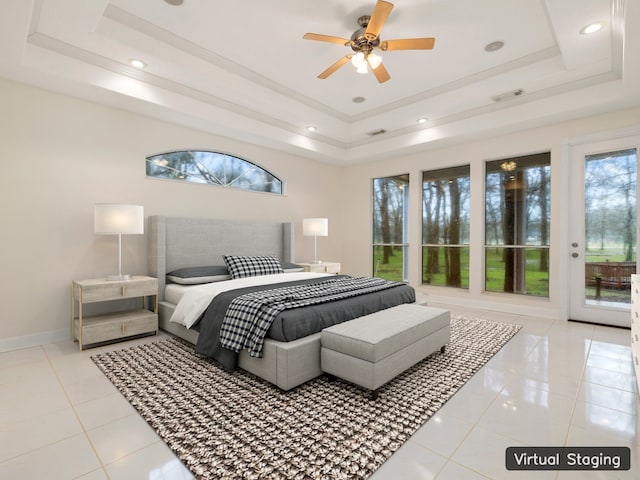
(249,316)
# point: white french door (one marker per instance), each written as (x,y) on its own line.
(603,230)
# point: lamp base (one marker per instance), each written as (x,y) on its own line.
(115,278)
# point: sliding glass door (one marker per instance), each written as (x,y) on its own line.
(603,231)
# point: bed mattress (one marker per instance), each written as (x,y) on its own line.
(295,323)
(290,324)
(174,292)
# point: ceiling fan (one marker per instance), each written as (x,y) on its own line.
(366,39)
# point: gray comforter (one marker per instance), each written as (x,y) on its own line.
(295,323)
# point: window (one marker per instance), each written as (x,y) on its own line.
(212,168)
(517,218)
(445,227)
(390,228)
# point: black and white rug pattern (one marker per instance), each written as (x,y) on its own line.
(232,425)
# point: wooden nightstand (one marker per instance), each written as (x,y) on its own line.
(113,326)
(324,267)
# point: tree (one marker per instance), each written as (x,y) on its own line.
(385,221)
(610,201)
(452,254)
(433,225)
(629,192)
(544,219)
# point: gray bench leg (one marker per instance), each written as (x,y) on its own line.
(374,394)
(443,348)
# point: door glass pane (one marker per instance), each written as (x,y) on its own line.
(610,227)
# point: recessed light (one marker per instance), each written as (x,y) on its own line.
(358,99)
(591,28)
(311,128)
(422,120)
(380,131)
(493,46)
(134,62)
(175,3)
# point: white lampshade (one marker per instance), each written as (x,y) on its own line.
(357,59)
(110,218)
(116,219)
(362,68)
(374,60)
(315,227)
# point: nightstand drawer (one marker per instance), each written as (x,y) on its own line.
(324,267)
(88,291)
(332,268)
(117,325)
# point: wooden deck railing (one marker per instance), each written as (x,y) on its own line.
(609,274)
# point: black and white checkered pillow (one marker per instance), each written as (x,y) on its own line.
(243,266)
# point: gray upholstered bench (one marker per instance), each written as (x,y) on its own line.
(371,350)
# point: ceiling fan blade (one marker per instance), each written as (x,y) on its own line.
(408,44)
(377,20)
(325,38)
(334,67)
(381,73)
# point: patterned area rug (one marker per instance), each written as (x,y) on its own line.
(233,425)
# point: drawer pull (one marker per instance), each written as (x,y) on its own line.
(124,290)
(123,327)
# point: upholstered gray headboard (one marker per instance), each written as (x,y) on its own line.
(176,242)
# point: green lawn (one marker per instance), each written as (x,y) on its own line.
(440,279)
(536,282)
(391,270)
(612,255)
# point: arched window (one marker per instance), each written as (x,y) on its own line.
(213,168)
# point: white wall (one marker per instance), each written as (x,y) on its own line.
(60,156)
(356,259)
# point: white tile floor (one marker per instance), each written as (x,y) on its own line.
(555,383)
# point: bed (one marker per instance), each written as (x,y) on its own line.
(181,243)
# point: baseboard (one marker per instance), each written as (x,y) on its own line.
(524,306)
(34,340)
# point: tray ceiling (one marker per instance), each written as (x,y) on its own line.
(243,70)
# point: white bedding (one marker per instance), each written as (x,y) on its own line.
(173,292)
(193,300)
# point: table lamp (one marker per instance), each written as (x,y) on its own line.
(315,227)
(117,219)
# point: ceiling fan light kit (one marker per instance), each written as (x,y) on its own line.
(367,38)
(357,59)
